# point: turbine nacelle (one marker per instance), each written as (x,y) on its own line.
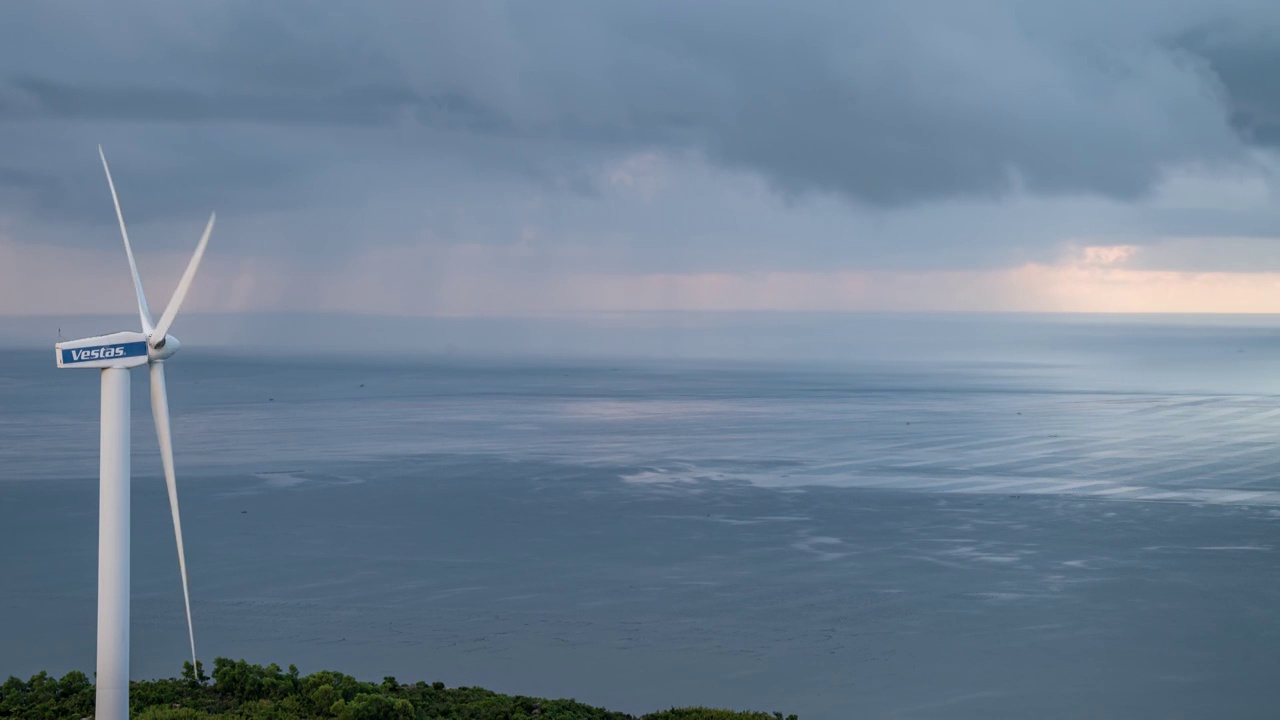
(119,350)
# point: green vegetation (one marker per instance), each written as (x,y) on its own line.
(241,690)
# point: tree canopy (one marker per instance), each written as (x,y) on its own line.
(242,690)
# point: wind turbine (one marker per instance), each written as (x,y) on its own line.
(115,355)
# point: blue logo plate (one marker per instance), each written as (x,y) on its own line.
(104,352)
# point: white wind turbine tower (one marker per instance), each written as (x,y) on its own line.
(115,355)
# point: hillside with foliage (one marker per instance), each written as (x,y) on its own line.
(241,690)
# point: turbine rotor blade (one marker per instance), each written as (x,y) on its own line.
(180,292)
(143,311)
(160,413)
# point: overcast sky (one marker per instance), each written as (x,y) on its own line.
(471,157)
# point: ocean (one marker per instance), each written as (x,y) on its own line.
(966,518)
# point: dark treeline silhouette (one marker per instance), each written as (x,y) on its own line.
(242,690)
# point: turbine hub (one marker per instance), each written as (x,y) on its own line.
(164,349)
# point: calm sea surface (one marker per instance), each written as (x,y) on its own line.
(1064,520)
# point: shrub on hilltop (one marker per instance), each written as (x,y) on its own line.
(254,692)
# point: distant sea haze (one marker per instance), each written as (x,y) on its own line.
(836,516)
(1113,342)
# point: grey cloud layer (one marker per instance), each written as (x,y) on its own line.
(887,103)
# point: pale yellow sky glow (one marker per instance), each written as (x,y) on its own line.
(420,281)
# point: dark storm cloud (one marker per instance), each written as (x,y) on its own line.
(364,106)
(1246,60)
(50,99)
(53,172)
(887,102)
